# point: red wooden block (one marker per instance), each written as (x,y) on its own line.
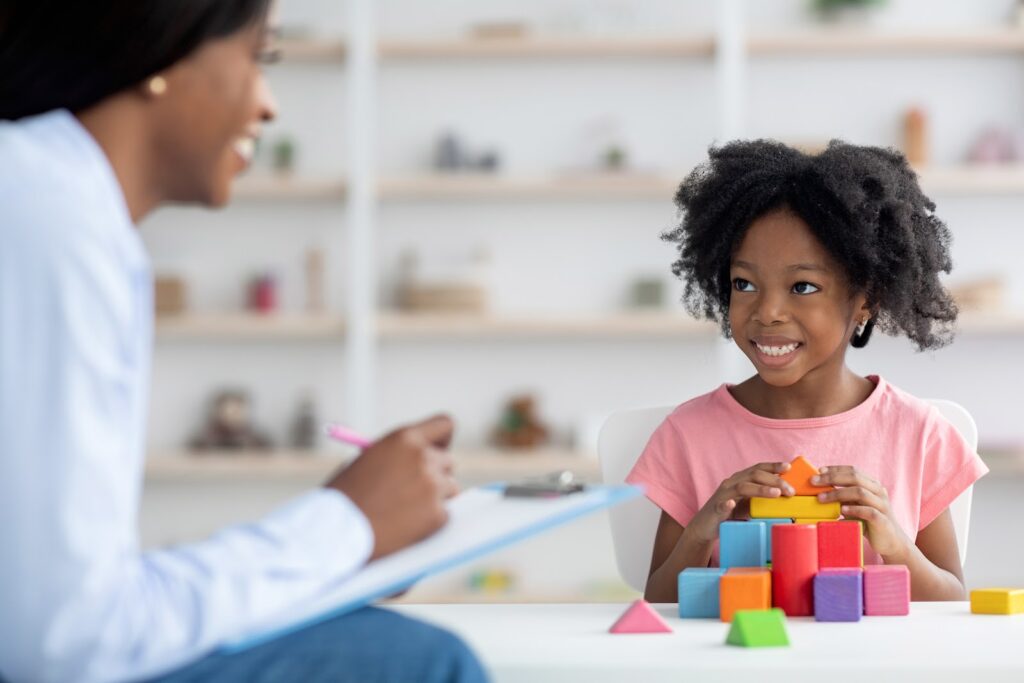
(794,564)
(840,544)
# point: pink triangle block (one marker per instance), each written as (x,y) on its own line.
(640,618)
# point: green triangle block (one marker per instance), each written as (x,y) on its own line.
(758,628)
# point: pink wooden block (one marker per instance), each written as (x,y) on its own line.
(886,590)
(640,618)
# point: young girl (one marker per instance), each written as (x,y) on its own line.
(799,257)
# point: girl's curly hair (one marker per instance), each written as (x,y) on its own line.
(862,203)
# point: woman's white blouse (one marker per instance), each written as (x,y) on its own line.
(78,600)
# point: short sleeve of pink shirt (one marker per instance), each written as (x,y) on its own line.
(902,441)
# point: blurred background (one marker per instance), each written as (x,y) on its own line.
(459,209)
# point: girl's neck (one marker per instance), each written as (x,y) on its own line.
(817,394)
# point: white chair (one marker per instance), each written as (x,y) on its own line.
(634,523)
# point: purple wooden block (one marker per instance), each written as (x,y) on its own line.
(838,595)
(886,590)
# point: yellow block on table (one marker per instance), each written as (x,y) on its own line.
(795,507)
(997,601)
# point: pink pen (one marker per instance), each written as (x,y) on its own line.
(346,435)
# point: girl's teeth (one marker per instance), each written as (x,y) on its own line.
(777,350)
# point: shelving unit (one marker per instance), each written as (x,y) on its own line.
(241,327)
(863,42)
(549,47)
(290,188)
(476,466)
(726,49)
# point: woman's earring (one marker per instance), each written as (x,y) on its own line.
(861,326)
(157,86)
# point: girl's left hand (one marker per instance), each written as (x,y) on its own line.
(862,497)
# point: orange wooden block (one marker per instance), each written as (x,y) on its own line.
(799,477)
(744,588)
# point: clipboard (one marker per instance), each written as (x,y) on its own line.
(481,520)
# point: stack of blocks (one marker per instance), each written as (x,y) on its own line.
(816,564)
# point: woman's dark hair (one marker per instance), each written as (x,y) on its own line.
(862,203)
(59,54)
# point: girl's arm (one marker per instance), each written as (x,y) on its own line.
(933,560)
(674,550)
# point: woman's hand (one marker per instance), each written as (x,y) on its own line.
(761,480)
(862,497)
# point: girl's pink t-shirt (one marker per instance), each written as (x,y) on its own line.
(898,439)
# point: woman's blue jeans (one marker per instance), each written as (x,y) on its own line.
(367,646)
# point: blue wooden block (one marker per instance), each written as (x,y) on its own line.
(768,524)
(838,594)
(698,592)
(742,544)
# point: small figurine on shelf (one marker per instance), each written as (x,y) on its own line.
(915,136)
(304,430)
(315,302)
(451,155)
(520,427)
(846,11)
(996,145)
(263,293)
(228,425)
(647,293)
(283,155)
(615,158)
(170,295)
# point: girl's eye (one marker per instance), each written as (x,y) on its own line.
(805,288)
(741,285)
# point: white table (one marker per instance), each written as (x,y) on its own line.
(540,642)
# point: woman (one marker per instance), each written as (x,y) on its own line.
(107,111)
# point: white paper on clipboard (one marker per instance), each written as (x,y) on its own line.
(481,520)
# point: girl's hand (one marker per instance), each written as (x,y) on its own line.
(862,497)
(761,480)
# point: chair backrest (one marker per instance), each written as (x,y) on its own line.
(634,524)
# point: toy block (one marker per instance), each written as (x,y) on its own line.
(640,617)
(886,590)
(698,592)
(794,564)
(838,594)
(758,628)
(744,588)
(794,507)
(799,477)
(807,521)
(768,524)
(840,544)
(742,544)
(997,601)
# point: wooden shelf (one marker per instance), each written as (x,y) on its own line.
(312,50)
(991,323)
(975,179)
(288,187)
(608,186)
(249,327)
(541,47)
(401,326)
(470,465)
(867,42)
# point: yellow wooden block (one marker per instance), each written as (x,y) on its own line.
(997,601)
(794,507)
(807,521)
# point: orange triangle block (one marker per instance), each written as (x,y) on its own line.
(640,617)
(799,477)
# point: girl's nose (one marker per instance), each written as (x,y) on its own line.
(771,308)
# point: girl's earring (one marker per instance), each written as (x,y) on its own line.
(157,86)
(861,326)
